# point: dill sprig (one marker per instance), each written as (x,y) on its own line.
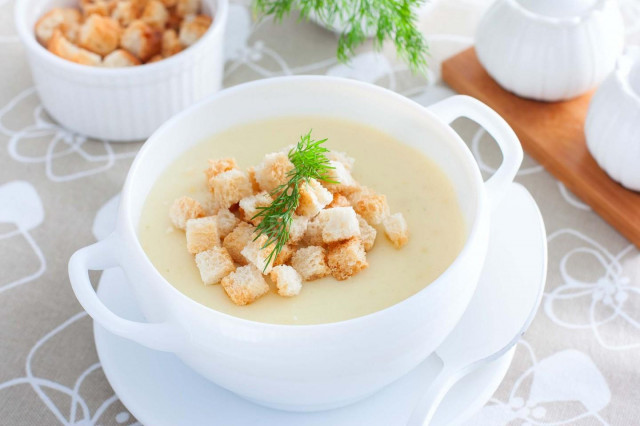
(393,20)
(310,162)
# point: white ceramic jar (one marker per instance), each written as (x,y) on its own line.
(305,367)
(612,127)
(550,50)
(122,104)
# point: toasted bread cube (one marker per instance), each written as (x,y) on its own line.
(285,254)
(396,229)
(230,187)
(219,166)
(341,157)
(99,34)
(272,172)
(155,58)
(367,233)
(287,280)
(346,184)
(183,209)
(340,223)
(237,240)
(313,233)
(297,228)
(339,200)
(202,234)
(310,262)
(245,285)
(227,221)
(347,258)
(170,43)
(214,264)
(97,7)
(371,206)
(142,40)
(313,198)
(155,14)
(60,46)
(120,58)
(124,12)
(67,20)
(251,206)
(187,7)
(256,253)
(251,172)
(193,27)
(169,3)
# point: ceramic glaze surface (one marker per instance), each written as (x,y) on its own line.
(613,122)
(536,50)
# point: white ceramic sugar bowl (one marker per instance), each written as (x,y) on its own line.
(550,50)
(613,122)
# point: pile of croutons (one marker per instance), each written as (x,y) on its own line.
(331,231)
(122,33)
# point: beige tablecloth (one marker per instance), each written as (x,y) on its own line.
(578,364)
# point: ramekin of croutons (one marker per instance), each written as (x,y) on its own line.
(117,69)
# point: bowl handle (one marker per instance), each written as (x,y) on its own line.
(100,256)
(465,106)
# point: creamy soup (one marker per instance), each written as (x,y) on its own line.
(413,184)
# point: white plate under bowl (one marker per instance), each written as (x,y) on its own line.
(159,389)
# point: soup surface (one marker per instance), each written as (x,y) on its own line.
(413,184)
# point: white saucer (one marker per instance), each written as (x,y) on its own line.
(159,389)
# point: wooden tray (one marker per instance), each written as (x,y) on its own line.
(553,134)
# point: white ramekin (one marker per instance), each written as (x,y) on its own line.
(122,104)
(307,367)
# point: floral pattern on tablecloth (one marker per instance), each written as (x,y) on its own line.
(579,364)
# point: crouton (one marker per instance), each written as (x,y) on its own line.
(99,34)
(285,254)
(257,254)
(230,187)
(287,280)
(97,7)
(346,258)
(60,46)
(183,209)
(313,198)
(174,20)
(142,40)
(367,233)
(219,166)
(251,172)
(155,58)
(193,27)
(170,43)
(245,285)
(66,20)
(396,229)
(310,262)
(341,157)
(371,206)
(202,234)
(251,206)
(346,184)
(272,172)
(313,233)
(214,264)
(340,223)
(187,7)
(237,240)
(124,13)
(297,228)
(155,14)
(226,222)
(169,3)
(120,58)
(339,200)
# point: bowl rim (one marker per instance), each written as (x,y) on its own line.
(598,7)
(27,37)
(126,230)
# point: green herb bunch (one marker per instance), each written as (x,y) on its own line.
(310,162)
(391,19)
